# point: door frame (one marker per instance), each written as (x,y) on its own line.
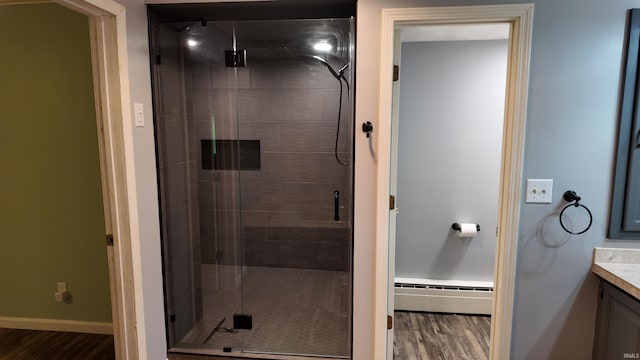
(107,30)
(511,174)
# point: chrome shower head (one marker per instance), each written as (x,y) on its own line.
(339,73)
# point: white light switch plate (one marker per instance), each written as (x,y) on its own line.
(539,191)
(138,111)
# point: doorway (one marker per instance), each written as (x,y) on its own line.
(111,89)
(519,19)
(52,209)
(446,151)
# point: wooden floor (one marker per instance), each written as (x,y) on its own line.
(51,345)
(424,336)
(418,336)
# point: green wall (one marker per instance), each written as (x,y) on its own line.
(51,214)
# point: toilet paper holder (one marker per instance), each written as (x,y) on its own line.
(456,226)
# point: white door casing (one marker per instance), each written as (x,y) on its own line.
(520,19)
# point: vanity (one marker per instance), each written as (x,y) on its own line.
(618,315)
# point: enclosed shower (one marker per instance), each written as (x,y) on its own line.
(254,128)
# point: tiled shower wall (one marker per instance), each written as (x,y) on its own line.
(284,211)
(178,181)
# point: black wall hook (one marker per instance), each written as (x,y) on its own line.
(367,128)
(570,196)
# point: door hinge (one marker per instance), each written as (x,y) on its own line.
(392,202)
(389,322)
(172,317)
(158,59)
(396,72)
(109,239)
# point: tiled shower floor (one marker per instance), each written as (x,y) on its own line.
(294,311)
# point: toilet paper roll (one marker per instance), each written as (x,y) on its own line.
(468,230)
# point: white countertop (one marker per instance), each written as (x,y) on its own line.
(621,267)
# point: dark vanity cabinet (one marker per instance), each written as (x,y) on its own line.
(617,324)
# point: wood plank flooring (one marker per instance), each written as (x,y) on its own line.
(52,345)
(425,336)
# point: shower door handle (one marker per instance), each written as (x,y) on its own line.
(336,205)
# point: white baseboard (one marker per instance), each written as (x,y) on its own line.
(90,327)
(450,297)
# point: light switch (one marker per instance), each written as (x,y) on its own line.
(539,191)
(138,111)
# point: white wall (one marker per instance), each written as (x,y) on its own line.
(573,100)
(449,152)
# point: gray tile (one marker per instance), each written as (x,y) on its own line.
(208,251)
(296,254)
(298,197)
(324,137)
(309,235)
(205,194)
(223,103)
(198,76)
(178,234)
(307,219)
(228,234)
(331,103)
(171,134)
(230,78)
(279,105)
(262,196)
(291,76)
(207,220)
(304,167)
(199,105)
(254,218)
(171,92)
(185,316)
(180,272)
(286,136)
(175,178)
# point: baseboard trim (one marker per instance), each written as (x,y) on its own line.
(90,327)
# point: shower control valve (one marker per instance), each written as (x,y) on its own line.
(367,128)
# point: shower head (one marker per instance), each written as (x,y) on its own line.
(342,69)
(335,74)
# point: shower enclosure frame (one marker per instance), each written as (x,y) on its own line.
(351,173)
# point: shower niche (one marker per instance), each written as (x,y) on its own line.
(253,106)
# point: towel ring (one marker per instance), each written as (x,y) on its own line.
(570,195)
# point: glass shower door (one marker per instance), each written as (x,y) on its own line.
(196,133)
(296,208)
(254,139)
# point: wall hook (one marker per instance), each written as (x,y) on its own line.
(570,196)
(367,128)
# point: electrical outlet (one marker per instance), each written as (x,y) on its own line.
(62,286)
(539,191)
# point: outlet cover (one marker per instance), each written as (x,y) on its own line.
(539,191)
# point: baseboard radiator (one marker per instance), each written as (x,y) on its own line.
(445,296)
